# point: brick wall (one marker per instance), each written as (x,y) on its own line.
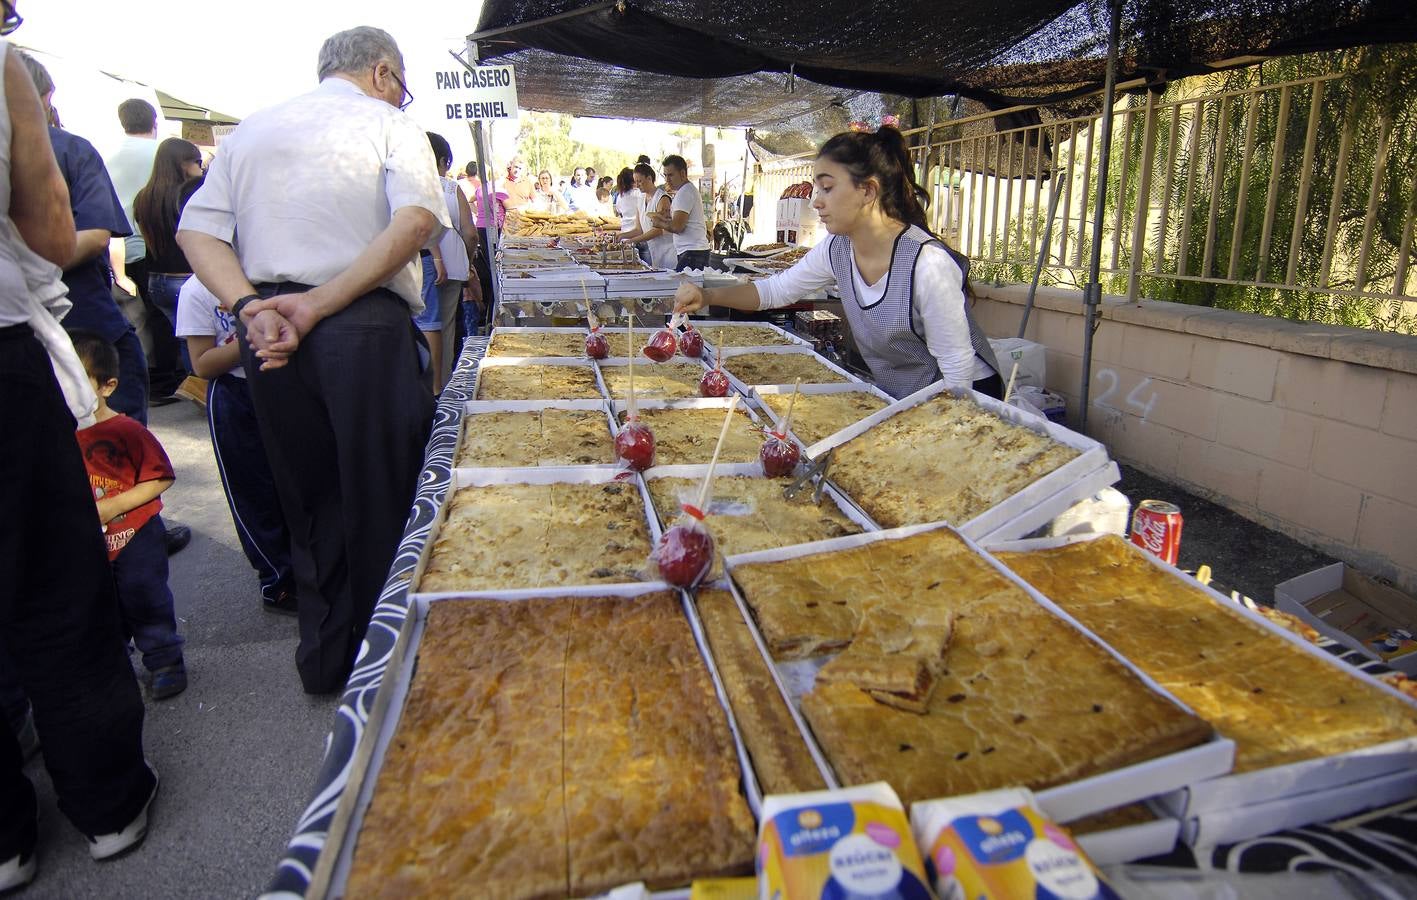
(1308,429)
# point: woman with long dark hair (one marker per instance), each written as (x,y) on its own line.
(177,173)
(904,292)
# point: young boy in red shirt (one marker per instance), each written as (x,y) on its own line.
(128,471)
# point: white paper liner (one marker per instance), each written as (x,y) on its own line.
(493,362)
(485,477)
(1275,782)
(1063,483)
(1069,801)
(399,678)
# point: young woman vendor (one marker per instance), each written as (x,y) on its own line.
(902,289)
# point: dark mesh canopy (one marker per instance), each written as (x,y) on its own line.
(721,63)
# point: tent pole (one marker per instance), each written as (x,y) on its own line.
(743,186)
(488,192)
(1092,292)
(1062,178)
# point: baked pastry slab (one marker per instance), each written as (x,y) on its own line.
(781,759)
(548,437)
(453,804)
(1022,699)
(619,343)
(537,343)
(553,748)
(686,437)
(893,657)
(509,536)
(748,514)
(818,416)
(651,773)
(536,382)
(781,368)
(945,460)
(654,381)
(1278,703)
(743,336)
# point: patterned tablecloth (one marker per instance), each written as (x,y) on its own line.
(1388,844)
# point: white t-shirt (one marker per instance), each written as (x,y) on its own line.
(938,310)
(309,183)
(661,249)
(627,207)
(130,167)
(583,198)
(695,233)
(199,314)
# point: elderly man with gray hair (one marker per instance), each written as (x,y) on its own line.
(308,229)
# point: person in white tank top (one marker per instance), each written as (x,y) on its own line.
(654,242)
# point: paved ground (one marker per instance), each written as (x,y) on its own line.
(238,752)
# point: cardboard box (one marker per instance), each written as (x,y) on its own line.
(1358,612)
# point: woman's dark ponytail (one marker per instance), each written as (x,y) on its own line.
(884,156)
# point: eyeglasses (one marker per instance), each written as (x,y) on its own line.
(408,95)
(11,19)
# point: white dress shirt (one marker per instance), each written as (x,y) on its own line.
(300,189)
(937,313)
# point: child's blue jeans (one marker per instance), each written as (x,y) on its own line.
(140,571)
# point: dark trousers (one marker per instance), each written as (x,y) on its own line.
(166,371)
(140,570)
(59,625)
(344,423)
(693,259)
(131,398)
(249,485)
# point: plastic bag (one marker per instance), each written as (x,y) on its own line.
(634,444)
(691,342)
(664,343)
(596,346)
(684,554)
(714,384)
(779,455)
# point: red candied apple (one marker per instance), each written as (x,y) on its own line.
(779,455)
(691,343)
(685,554)
(635,445)
(714,384)
(596,346)
(661,347)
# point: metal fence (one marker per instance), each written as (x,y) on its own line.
(1301,188)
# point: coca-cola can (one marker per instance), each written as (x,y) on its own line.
(1156,528)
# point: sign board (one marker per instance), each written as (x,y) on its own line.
(482,92)
(221,132)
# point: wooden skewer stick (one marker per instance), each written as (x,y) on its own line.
(722,436)
(1009,391)
(630,344)
(787,419)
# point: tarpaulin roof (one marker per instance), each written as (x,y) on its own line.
(707,61)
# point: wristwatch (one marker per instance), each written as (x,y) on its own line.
(241,304)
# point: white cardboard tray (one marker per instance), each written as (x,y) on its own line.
(1224,826)
(1064,485)
(718,403)
(473,408)
(1066,802)
(620,362)
(1048,510)
(760,390)
(332,871)
(801,349)
(493,362)
(1277,782)
(708,326)
(1131,842)
(540,475)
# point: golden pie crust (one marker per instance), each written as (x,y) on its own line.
(537,343)
(548,437)
(1278,703)
(654,381)
(509,536)
(1022,699)
(946,460)
(893,657)
(535,757)
(748,514)
(537,383)
(781,368)
(743,336)
(781,759)
(686,437)
(819,416)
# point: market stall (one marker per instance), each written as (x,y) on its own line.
(517,669)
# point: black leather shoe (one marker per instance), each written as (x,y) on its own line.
(178,536)
(285,604)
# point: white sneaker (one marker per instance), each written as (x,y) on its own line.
(16,872)
(106,846)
